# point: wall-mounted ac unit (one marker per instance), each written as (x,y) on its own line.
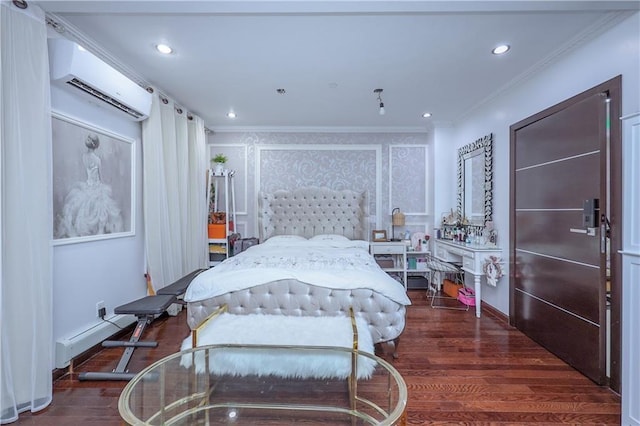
(79,70)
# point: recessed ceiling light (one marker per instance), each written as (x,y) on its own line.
(163,48)
(426,115)
(231,114)
(499,50)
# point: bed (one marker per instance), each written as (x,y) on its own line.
(313,260)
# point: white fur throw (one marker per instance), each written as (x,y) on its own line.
(281,330)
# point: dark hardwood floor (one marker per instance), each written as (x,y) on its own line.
(458,370)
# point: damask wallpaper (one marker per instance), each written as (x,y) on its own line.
(295,166)
(408,188)
(392,167)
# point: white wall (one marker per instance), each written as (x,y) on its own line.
(109,270)
(444,188)
(612,53)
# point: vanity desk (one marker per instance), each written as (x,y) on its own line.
(471,256)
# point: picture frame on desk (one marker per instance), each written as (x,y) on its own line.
(379,235)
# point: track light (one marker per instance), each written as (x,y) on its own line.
(381,104)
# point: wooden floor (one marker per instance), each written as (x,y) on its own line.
(458,370)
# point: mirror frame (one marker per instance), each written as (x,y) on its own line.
(485,145)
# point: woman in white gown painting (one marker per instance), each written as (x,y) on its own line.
(89,208)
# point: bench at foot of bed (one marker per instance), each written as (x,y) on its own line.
(279,331)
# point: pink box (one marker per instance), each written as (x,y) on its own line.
(467,296)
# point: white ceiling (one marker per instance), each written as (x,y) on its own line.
(329,56)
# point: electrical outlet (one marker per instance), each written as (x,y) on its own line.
(100,309)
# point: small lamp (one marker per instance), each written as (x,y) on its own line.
(397,219)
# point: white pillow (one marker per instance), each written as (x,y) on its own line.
(329,237)
(284,239)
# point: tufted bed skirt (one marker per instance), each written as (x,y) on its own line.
(385,317)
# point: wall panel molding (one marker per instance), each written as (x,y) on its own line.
(358,167)
(238,161)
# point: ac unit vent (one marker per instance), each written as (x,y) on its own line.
(106,98)
(73,67)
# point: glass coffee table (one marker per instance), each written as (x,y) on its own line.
(194,388)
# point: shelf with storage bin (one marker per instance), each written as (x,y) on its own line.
(417,269)
(392,256)
(218,250)
(417,261)
(221,222)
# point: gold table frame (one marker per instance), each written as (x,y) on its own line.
(155,396)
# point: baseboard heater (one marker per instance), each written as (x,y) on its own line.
(71,347)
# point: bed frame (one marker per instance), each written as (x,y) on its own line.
(308,212)
(313,211)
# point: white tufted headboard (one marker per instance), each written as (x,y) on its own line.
(313,211)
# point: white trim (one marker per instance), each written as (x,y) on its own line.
(67,348)
(245,225)
(631,175)
(378,216)
(303,129)
(630,409)
(630,374)
(256,188)
(319,147)
(628,116)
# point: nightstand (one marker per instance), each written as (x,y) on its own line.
(396,253)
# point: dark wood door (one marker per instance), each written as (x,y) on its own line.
(559,160)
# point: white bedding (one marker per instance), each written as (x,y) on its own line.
(327,261)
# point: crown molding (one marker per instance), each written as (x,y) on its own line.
(328,129)
(606,22)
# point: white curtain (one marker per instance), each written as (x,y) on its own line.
(175,212)
(25,213)
(197,246)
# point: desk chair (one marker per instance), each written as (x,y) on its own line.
(440,269)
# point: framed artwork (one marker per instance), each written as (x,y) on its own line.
(378,235)
(93,182)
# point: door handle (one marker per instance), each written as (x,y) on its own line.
(591,232)
(605,232)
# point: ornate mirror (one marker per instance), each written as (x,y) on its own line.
(475,181)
